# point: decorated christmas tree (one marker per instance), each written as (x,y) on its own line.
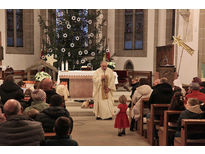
(75,40)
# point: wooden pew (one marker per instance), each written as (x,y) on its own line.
(140,123)
(49,134)
(156,110)
(192,133)
(165,131)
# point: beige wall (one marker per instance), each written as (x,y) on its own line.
(189,65)
(161,41)
(20,61)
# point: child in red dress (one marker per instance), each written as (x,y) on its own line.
(121,121)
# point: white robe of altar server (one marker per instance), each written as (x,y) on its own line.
(103,108)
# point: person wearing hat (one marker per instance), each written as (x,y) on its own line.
(195,93)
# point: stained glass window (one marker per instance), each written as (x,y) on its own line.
(134,29)
(14,28)
(10,27)
(19,28)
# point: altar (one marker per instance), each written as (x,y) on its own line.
(80,82)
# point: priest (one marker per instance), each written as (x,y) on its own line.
(103,88)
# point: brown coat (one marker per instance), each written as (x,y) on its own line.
(19,130)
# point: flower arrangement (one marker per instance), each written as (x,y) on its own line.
(111,65)
(41,75)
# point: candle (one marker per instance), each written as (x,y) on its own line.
(66,65)
(62,66)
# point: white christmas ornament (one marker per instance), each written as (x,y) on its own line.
(65,35)
(107,50)
(72,45)
(90,21)
(77,38)
(67,22)
(89,64)
(60,22)
(63,50)
(68,26)
(43,57)
(85,52)
(50,50)
(91,35)
(92,53)
(73,17)
(82,61)
(69,54)
(78,19)
(80,53)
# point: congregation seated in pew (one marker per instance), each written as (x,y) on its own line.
(48,116)
(62,129)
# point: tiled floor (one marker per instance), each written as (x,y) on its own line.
(91,132)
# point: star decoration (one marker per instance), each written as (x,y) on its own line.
(181,43)
(50,59)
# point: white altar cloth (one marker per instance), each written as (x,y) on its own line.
(80,73)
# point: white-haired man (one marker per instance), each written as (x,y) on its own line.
(103,88)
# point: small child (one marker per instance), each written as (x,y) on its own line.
(121,121)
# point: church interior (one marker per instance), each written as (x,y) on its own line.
(69,45)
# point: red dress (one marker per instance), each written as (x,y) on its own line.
(121,120)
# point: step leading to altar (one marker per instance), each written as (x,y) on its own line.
(74,105)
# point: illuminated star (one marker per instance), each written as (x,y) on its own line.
(50,60)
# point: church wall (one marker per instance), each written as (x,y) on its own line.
(20,61)
(161,41)
(189,64)
(141,63)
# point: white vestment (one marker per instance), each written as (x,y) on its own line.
(103,108)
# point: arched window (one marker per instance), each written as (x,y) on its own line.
(129,65)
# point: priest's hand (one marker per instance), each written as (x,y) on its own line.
(103,77)
(107,90)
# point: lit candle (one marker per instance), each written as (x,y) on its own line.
(66,65)
(62,66)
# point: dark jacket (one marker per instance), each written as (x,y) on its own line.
(187,114)
(161,94)
(10,90)
(19,130)
(49,94)
(60,141)
(48,117)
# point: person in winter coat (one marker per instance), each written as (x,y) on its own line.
(162,94)
(39,101)
(18,129)
(192,111)
(62,128)
(48,116)
(141,92)
(10,90)
(195,93)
